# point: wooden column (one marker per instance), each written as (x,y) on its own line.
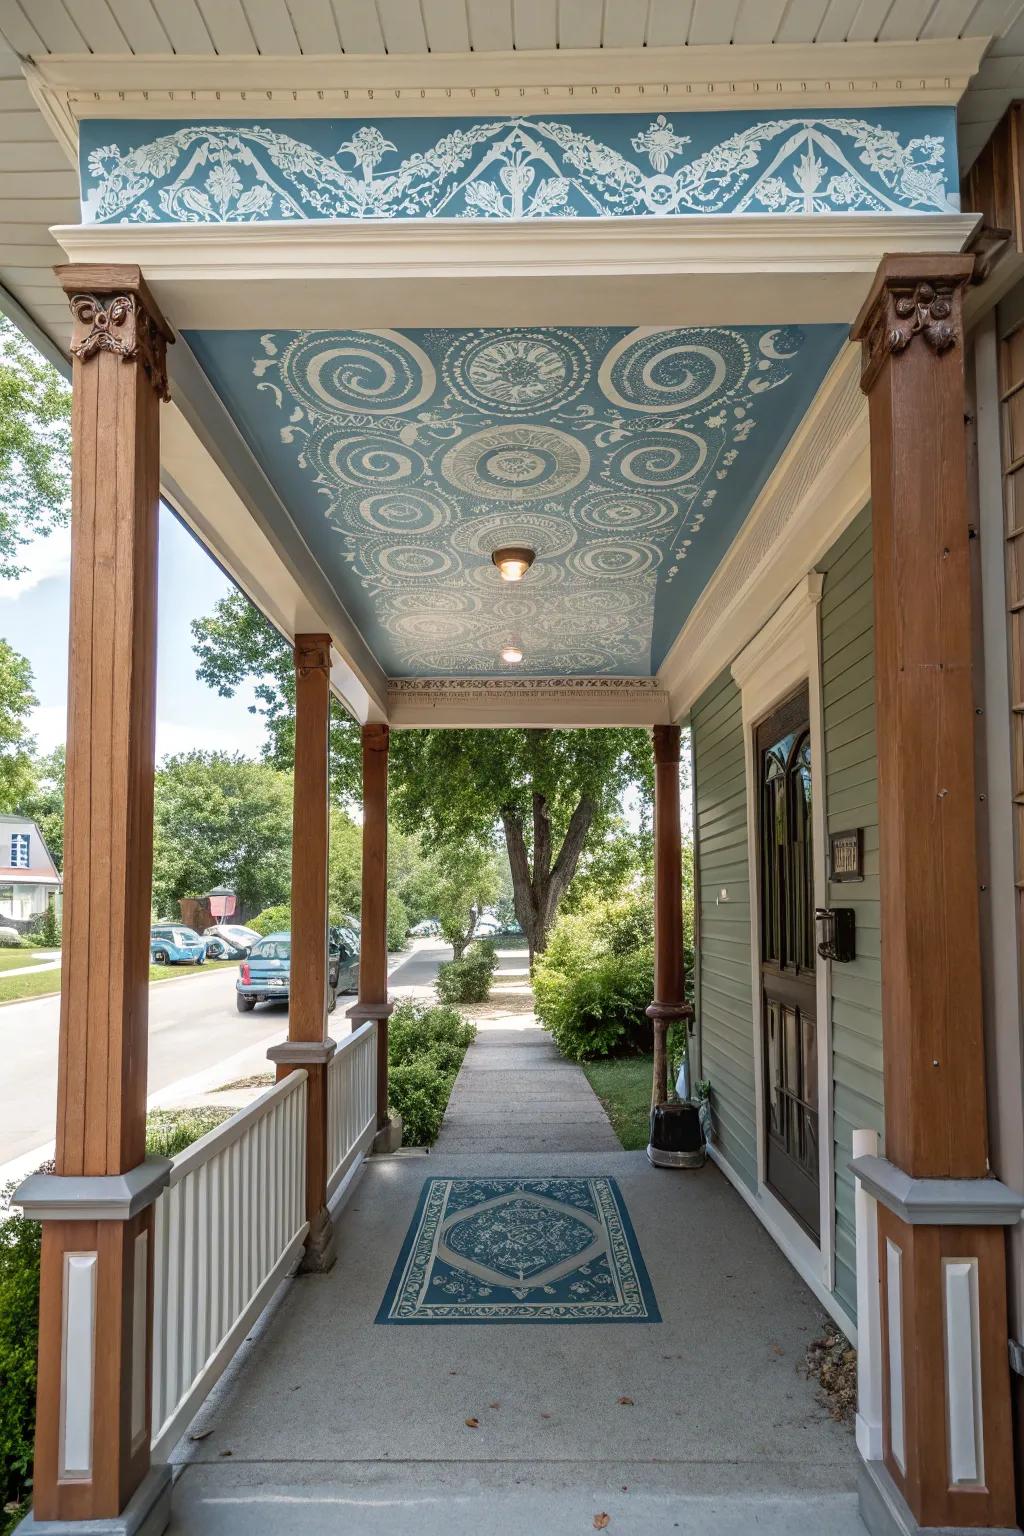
(95,1315)
(308,1043)
(373,935)
(943,1306)
(669,969)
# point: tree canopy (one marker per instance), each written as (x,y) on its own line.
(17,702)
(220,819)
(35,448)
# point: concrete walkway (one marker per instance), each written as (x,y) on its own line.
(330,1424)
(517,1093)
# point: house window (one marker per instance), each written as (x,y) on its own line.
(6,900)
(19,850)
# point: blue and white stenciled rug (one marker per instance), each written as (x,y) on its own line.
(555,1250)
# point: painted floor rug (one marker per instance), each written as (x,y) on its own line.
(554,1250)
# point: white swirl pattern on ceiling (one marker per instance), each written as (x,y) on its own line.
(607,450)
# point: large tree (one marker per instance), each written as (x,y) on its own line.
(35,448)
(548,792)
(455,884)
(17,701)
(44,802)
(220,819)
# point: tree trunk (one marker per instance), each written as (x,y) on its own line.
(537,891)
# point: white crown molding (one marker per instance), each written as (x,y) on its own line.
(424,702)
(820,483)
(815,75)
(799,268)
(768,651)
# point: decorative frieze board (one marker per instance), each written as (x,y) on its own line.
(72,86)
(524,701)
(819,484)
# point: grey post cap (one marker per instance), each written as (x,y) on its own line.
(303,1053)
(93,1197)
(938,1202)
(359,1013)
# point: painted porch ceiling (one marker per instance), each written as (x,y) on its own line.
(628,459)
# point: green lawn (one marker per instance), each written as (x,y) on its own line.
(11,959)
(39,983)
(623,1084)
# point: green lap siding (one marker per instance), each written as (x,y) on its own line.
(726,1017)
(851,789)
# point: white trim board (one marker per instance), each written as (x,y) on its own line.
(694,77)
(783,655)
(739,269)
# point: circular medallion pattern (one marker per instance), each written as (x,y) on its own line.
(335,373)
(362,459)
(516,372)
(511,463)
(664,372)
(614,560)
(661,459)
(545,533)
(419,511)
(407,562)
(624,511)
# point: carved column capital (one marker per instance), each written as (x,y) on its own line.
(912,297)
(115,312)
(376,738)
(312,654)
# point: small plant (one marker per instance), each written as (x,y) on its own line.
(170,1131)
(48,931)
(468,980)
(425,1049)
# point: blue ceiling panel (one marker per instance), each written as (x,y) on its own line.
(627,459)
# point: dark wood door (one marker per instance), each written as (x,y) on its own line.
(788,999)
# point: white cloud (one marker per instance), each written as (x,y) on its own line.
(49,724)
(247,734)
(46,558)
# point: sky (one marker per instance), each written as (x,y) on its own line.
(190,715)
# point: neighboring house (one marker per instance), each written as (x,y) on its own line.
(29,878)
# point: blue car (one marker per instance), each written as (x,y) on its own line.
(264,976)
(174,944)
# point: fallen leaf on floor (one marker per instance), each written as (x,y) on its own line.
(200,1434)
(626,1402)
(777,1349)
(545,1415)
(227,1453)
(600,1521)
(472,1423)
(494,1405)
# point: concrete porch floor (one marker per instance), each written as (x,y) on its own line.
(330,1423)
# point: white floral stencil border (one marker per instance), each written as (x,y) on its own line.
(517,168)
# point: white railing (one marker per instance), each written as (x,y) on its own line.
(351,1103)
(228,1228)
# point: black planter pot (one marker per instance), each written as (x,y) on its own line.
(677,1139)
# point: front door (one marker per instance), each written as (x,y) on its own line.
(788,1001)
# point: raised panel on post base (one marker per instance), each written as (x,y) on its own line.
(945,1372)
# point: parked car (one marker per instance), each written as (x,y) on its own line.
(174,944)
(229,941)
(265,974)
(426,928)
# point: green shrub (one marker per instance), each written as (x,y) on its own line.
(398,923)
(170,1131)
(19,1306)
(10,938)
(425,1049)
(594,981)
(272,920)
(48,928)
(468,980)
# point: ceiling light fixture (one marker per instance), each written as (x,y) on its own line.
(513,561)
(512,652)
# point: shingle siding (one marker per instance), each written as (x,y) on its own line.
(726,1016)
(851,789)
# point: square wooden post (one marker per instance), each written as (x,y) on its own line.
(946,1396)
(373,935)
(96,1305)
(308,1044)
(669,968)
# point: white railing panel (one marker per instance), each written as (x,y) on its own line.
(227,1229)
(351,1102)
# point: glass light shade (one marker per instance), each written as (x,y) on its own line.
(512,652)
(514,561)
